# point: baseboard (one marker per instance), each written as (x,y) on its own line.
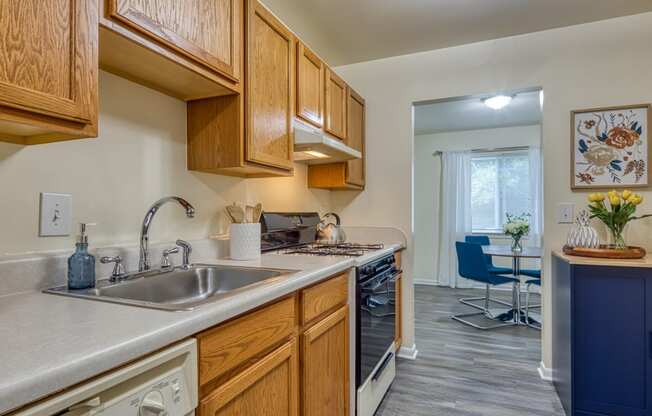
(544,372)
(425,282)
(408,353)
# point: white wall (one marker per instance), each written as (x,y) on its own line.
(427,184)
(600,64)
(302,22)
(139,156)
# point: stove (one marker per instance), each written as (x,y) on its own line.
(296,233)
(339,249)
(375,299)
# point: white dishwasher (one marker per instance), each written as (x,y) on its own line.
(162,384)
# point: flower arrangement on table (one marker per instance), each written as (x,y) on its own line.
(517,226)
(615,210)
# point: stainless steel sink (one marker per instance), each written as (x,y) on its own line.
(179,288)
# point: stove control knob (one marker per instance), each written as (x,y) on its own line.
(152,404)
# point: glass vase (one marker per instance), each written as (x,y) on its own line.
(517,246)
(617,239)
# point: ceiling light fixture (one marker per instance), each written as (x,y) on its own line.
(498,102)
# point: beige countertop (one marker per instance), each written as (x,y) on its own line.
(52,342)
(588,261)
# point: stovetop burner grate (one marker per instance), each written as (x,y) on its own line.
(339,249)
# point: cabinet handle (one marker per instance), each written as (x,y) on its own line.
(649,343)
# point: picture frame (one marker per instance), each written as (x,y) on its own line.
(610,147)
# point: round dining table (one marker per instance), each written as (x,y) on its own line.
(514,314)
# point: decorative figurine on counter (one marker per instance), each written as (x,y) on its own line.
(582,234)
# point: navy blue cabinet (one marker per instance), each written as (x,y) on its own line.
(602,335)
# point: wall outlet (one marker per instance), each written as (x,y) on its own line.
(565,213)
(56,215)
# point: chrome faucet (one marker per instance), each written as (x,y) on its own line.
(143,262)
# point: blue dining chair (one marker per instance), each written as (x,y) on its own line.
(528,285)
(483,240)
(472,265)
(535,273)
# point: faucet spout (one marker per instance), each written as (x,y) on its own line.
(144,262)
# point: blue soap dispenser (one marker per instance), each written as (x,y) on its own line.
(81,265)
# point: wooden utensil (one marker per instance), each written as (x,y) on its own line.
(249,213)
(236,213)
(258,212)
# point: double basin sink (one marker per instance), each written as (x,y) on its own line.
(179,288)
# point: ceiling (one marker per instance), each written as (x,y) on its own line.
(349,31)
(472,114)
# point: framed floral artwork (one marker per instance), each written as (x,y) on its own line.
(609,147)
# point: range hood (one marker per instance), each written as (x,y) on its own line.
(313,146)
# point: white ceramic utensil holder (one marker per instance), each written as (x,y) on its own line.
(245,241)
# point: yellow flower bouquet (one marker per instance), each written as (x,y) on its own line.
(615,210)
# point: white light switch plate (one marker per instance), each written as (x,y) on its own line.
(565,213)
(56,214)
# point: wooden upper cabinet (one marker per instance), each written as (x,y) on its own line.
(310,86)
(189,49)
(336,98)
(269,89)
(355,174)
(202,30)
(349,175)
(250,134)
(325,359)
(48,70)
(267,388)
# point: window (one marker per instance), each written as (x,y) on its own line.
(500,185)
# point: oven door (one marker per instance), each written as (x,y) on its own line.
(376,321)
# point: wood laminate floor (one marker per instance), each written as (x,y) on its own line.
(461,371)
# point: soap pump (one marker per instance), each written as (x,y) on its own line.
(81,265)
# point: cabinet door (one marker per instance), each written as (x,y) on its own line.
(268,388)
(206,31)
(610,341)
(269,89)
(336,97)
(48,58)
(325,363)
(355,174)
(310,86)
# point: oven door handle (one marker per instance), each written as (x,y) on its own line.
(382,367)
(377,315)
(392,278)
(380,280)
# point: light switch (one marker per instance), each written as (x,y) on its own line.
(56,214)
(565,213)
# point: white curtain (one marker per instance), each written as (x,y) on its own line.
(536,189)
(455,216)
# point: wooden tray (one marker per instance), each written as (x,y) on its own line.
(606,252)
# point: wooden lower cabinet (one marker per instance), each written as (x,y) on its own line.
(286,358)
(267,388)
(325,366)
